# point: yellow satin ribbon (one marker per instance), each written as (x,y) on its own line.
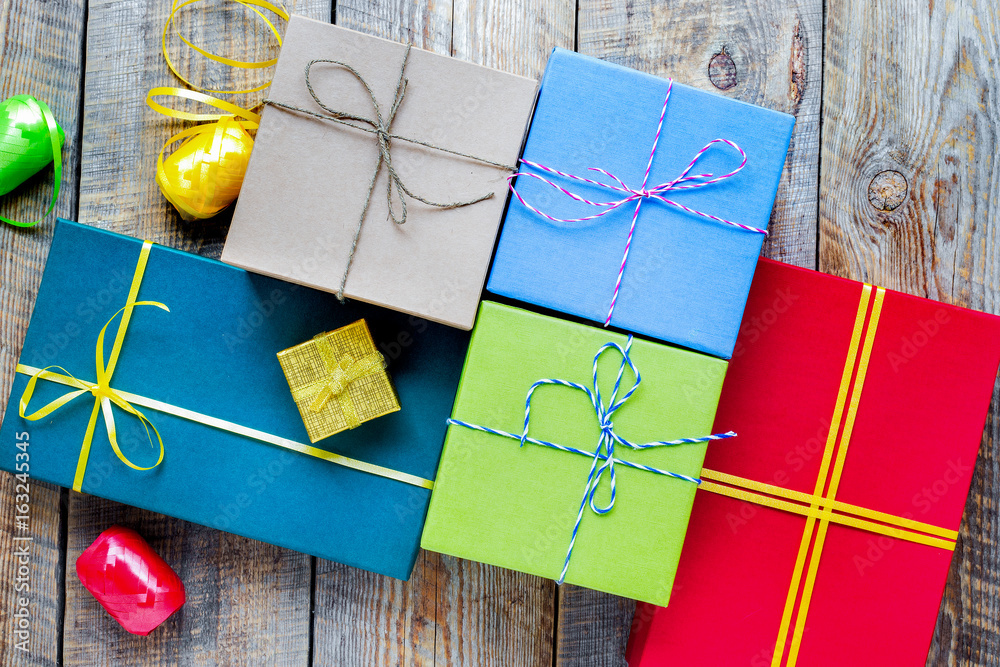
(821,508)
(105,395)
(205,173)
(252,5)
(806,504)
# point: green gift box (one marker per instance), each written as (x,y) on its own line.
(519,504)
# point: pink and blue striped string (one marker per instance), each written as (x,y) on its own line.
(685,181)
(603,458)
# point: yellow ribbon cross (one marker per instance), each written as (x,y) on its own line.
(821,508)
(104,394)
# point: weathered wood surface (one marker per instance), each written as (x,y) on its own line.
(41,51)
(909,199)
(451,612)
(247,602)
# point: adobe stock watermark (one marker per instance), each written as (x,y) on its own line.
(755,326)
(923,501)
(99,303)
(22,541)
(257,482)
(919,337)
(795,460)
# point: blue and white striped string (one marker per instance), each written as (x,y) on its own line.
(603,457)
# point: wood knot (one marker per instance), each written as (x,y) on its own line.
(887,190)
(722,70)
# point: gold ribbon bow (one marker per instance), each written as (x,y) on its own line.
(104,394)
(342,373)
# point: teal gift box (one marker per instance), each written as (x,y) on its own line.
(687,276)
(203,378)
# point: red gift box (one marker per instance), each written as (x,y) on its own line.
(823,534)
(130,580)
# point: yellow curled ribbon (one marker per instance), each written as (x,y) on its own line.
(105,396)
(205,173)
(252,5)
(342,373)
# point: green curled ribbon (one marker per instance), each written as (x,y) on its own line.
(30,139)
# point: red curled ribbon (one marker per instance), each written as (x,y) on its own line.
(130,580)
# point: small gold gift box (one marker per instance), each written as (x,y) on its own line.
(338,380)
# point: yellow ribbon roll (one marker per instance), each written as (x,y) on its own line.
(204,174)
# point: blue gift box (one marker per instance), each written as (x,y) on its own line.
(213,353)
(687,277)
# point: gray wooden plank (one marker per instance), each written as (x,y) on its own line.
(593,627)
(450,612)
(248,602)
(909,194)
(513,35)
(41,48)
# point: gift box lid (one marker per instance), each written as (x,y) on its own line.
(687,277)
(307,179)
(919,380)
(214,353)
(500,503)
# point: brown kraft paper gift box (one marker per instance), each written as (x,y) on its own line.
(308,177)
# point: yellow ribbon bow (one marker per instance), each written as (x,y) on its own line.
(104,394)
(343,372)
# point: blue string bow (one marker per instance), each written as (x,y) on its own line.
(605,451)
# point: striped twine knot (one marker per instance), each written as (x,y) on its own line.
(685,181)
(603,457)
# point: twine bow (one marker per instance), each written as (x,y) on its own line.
(381,127)
(685,181)
(104,394)
(603,457)
(343,371)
